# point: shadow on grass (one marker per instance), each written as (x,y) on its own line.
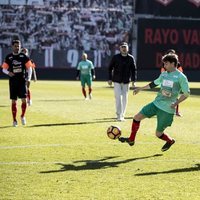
(73,123)
(67,124)
(190,169)
(6,127)
(102,120)
(94,164)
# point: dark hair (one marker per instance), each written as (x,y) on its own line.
(172,58)
(16,42)
(170,51)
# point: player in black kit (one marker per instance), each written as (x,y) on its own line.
(16,65)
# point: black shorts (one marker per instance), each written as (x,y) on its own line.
(17,89)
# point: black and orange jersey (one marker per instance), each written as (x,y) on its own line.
(17,64)
(33,64)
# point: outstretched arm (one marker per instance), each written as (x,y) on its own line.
(148,86)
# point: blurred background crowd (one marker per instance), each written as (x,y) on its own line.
(67,24)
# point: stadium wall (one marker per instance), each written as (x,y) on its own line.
(102,74)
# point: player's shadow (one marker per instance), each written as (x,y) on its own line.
(72,123)
(94,164)
(180,170)
(1,127)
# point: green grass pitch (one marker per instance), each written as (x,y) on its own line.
(63,153)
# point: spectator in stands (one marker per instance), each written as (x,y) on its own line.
(56,19)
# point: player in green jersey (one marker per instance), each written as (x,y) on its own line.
(86,72)
(171,83)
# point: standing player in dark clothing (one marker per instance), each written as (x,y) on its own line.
(29,99)
(122,70)
(16,65)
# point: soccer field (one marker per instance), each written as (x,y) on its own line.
(63,153)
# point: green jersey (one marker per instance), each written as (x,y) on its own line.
(85,67)
(171,84)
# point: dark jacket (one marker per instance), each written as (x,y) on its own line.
(122,69)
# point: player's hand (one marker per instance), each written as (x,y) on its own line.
(173,105)
(77,78)
(11,74)
(93,77)
(136,90)
(110,82)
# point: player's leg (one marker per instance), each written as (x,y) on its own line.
(14,111)
(118,101)
(164,120)
(23,107)
(89,84)
(83,82)
(134,129)
(136,125)
(29,99)
(23,95)
(147,111)
(125,89)
(13,98)
(169,141)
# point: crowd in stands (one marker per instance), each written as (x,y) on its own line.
(66,24)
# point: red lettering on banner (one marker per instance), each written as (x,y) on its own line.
(148,35)
(157,37)
(190,60)
(191,37)
(159,62)
(161,36)
(165,35)
(174,36)
(196,60)
(181,59)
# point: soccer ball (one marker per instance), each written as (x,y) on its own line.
(114,132)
